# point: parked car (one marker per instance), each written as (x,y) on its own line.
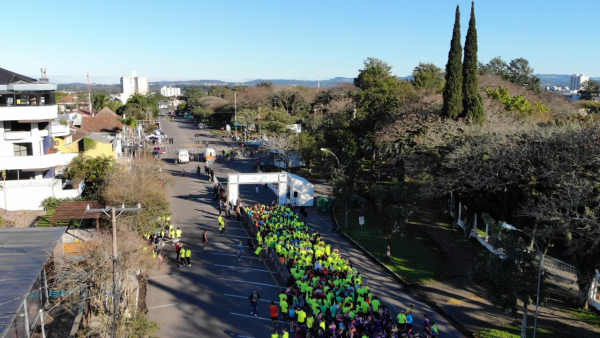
(155,153)
(161,149)
(183,156)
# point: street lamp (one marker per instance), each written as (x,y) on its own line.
(339,167)
(329,151)
(541,263)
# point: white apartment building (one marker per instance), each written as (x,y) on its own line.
(133,84)
(577,80)
(28,122)
(170,91)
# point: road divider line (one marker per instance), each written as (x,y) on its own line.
(233,255)
(243,281)
(156,307)
(249,316)
(246,297)
(242,268)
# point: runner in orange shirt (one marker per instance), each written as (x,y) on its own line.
(274,314)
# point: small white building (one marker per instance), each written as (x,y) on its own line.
(28,123)
(133,85)
(170,91)
(577,80)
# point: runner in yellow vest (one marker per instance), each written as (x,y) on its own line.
(178,233)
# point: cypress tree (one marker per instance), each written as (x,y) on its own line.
(453,89)
(472,101)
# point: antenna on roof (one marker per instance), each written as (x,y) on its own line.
(89,95)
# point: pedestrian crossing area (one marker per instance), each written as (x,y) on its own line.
(188,149)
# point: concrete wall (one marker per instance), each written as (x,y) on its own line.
(29,194)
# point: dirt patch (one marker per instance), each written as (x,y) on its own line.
(20,218)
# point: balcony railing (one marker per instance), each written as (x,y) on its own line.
(36,162)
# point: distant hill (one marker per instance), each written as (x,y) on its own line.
(155,85)
(558,79)
(547,80)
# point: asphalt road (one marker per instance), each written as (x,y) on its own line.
(210,298)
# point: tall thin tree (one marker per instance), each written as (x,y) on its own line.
(454,78)
(472,101)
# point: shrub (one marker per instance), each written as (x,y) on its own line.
(89,144)
(517,104)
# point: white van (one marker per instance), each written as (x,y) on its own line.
(183,156)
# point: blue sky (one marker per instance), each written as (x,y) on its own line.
(238,40)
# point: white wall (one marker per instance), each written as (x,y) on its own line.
(29,194)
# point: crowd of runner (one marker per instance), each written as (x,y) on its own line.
(326,296)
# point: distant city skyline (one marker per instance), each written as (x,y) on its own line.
(237,40)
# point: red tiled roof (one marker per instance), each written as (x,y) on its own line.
(67,99)
(106,112)
(99,124)
(79,134)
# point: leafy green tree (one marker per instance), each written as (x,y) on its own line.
(115,105)
(496,67)
(59,96)
(590,90)
(99,101)
(181,106)
(520,73)
(454,74)
(193,95)
(277,122)
(92,170)
(201,114)
(472,101)
(428,76)
(266,84)
(379,93)
(391,209)
(509,276)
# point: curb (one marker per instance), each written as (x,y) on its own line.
(459,326)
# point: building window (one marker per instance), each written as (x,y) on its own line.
(23,149)
(16,126)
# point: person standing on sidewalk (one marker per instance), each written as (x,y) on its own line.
(254,297)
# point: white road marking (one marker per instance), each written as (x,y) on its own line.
(163,276)
(234,236)
(246,297)
(242,268)
(249,316)
(222,254)
(155,307)
(243,281)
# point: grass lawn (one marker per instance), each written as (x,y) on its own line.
(515,332)
(415,257)
(586,316)
(458,234)
(44,221)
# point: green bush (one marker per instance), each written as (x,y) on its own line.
(516,104)
(50,204)
(89,144)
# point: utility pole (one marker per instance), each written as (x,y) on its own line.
(114,217)
(89,94)
(235,112)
